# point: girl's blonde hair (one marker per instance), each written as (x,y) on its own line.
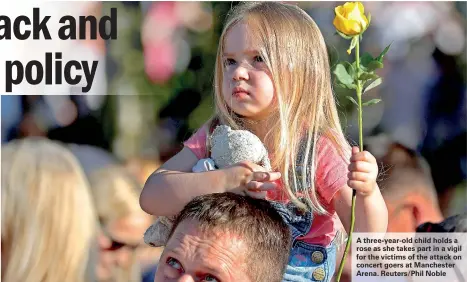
(116,195)
(295,52)
(49,225)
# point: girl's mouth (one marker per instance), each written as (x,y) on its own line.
(239,92)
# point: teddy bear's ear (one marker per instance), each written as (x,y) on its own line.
(220,130)
(215,131)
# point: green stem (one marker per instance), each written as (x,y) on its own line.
(360,135)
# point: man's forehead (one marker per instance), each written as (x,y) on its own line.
(209,249)
(190,227)
(189,239)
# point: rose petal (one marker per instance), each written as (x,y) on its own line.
(361,8)
(352,27)
(339,23)
(348,7)
(364,22)
(354,14)
(339,10)
(355,26)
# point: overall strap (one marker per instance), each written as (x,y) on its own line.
(299,169)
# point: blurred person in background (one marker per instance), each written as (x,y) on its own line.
(142,167)
(406,185)
(116,197)
(10,114)
(49,224)
(173,122)
(92,158)
(445,125)
(65,118)
(20,117)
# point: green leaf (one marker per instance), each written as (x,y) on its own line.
(351,86)
(352,44)
(351,70)
(368,76)
(381,56)
(371,102)
(343,35)
(366,58)
(373,84)
(342,75)
(352,100)
(362,67)
(373,65)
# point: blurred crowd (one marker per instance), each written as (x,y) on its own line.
(71,213)
(78,162)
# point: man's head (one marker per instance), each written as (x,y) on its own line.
(225,238)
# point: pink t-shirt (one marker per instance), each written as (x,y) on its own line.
(330,176)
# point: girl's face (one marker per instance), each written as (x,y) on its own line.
(247,85)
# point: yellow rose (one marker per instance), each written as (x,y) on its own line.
(350,18)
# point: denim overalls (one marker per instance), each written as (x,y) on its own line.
(307,262)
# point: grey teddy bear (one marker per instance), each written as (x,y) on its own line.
(228,147)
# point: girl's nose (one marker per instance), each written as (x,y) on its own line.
(240,73)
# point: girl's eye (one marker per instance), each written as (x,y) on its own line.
(174,263)
(229,62)
(258,59)
(210,278)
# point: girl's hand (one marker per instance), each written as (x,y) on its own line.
(252,180)
(363,171)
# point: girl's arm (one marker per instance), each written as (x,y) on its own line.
(172,186)
(371,214)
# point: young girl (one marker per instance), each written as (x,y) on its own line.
(272,77)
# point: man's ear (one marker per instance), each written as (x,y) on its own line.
(405,212)
(423,209)
(417,211)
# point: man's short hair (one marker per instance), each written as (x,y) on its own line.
(261,226)
(402,170)
(456,223)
